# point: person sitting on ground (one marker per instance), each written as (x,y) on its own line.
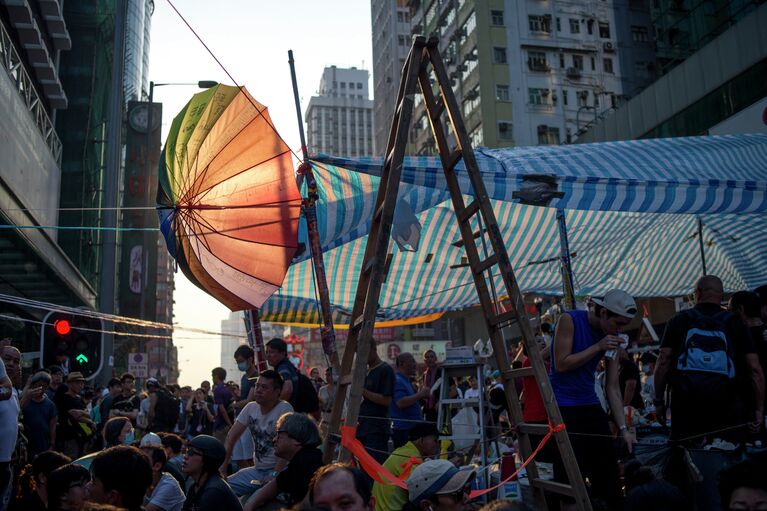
(423,444)
(66,488)
(437,485)
(340,487)
(209,491)
(117,431)
(744,486)
(173,444)
(164,494)
(644,491)
(120,476)
(297,440)
(34,481)
(260,417)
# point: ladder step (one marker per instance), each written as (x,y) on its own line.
(469,211)
(486,264)
(522,372)
(453,160)
(533,429)
(562,489)
(506,317)
(467,401)
(460,437)
(345,380)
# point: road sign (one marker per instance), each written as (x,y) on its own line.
(138,364)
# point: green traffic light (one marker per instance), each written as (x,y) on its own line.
(81,358)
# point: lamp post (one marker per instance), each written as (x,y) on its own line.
(202,84)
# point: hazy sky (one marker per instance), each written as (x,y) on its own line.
(251,38)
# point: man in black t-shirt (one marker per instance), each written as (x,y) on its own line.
(127,404)
(747,306)
(74,420)
(297,440)
(277,356)
(373,424)
(697,412)
(629,382)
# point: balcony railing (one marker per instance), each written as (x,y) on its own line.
(25,86)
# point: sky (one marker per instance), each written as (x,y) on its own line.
(251,39)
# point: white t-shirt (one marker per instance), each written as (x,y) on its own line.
(471,394)
(167,495)
(263,430)
(9,426)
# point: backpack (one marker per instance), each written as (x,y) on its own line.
(706,348)
(166,410)
(304,398)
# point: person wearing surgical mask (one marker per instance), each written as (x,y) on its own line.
(246,362)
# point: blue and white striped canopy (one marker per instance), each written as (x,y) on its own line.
(632,212)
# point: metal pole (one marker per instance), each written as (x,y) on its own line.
(255,338)
(700,243)
(327,332)
(567,271)
(112,183)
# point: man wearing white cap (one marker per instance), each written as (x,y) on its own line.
(581,340)
(437,485)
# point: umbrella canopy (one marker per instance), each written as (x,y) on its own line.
(227,197)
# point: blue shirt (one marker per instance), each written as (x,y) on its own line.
(403,388)
(576,387)
(37,424)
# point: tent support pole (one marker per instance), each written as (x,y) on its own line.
(567,270)
(255,338)
(327,331)
(700,244)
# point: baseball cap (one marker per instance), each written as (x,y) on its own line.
(151,440)
(422,429)
(618,302)
(437,477)
(152,383)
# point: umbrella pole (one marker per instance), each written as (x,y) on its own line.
(567,269)
(327,331)
(256,338)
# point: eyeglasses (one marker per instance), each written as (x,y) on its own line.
(191,452)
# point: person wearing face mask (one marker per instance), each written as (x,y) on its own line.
(581,340)
(245,358)
(117,431)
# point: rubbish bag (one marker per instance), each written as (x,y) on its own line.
(464,423)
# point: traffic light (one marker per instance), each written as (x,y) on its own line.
(74,340)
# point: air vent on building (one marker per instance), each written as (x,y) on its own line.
(608,46)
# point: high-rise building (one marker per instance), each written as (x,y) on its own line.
(339,119)
(391,41)
(700,91)
(529,73)
(137,36)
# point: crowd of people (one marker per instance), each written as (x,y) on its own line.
(257,443)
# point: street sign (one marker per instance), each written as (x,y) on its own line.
(138,365)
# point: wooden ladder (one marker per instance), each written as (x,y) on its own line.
(424,56)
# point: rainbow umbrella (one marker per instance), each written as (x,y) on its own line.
(227,197)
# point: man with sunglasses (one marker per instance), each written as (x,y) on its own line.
(581,340)
(209,491)
(437,485)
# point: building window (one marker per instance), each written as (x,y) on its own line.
(641,70)
(593,64)
(471,101)
(548,135)
(562,60)
(590,26)
(604,30)
(468,27)
(539,23)
(343,85)
(505,130)
(575,26)
(583,98)
(536,61)
(496,17)
(402,40)
(559,25)
(499,55)
(359,85)
(608,65)
(578,62)
(476,137)
(640,34)
(538,96)
(564,97)
(502,92)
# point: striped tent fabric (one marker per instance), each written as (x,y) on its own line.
(631,224)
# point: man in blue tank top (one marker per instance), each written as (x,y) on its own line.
(581,340)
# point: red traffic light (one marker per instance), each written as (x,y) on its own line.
(62,326)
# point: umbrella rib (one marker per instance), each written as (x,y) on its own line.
(202,193)
(199,220)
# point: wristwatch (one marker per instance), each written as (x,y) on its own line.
(274,473)
(624,428)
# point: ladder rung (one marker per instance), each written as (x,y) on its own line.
(453,160)
(503,318)
(469,211)
(487,264)
(468,401)
(460,437)
(518,373)
(533,429)
(562,489)
(345,380)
